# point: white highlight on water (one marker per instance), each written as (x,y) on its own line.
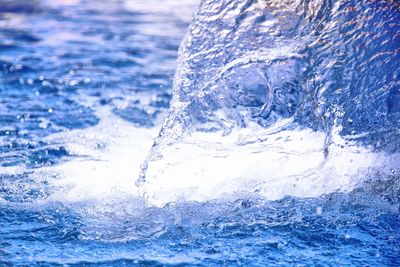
(271,163)
(105,163)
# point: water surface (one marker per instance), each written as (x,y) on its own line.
(85,87)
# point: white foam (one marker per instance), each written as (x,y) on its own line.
(204,166)
(106,160)
(272,164)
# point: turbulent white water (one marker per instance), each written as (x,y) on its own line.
(261,162)
(245,119)
(282,100)
(262,105)
(271,163)
(104,159)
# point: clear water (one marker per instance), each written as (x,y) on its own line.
(281,147)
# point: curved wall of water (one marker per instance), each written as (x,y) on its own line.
(331,67)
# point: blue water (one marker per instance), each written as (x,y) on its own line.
(85,87)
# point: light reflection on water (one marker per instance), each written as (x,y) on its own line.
(85,86)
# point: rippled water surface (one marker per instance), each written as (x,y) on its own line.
(281,147)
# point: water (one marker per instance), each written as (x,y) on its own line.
(281,146)
(295,88)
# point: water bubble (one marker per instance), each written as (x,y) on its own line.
(73,82)
(280,95)
(46,83)
(44,124)
(318,210)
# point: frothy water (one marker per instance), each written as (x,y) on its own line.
(272,165)
(277,98)
(106,155)
(280,145)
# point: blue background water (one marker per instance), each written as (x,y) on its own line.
(54,58)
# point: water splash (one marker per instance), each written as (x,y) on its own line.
(76,116)
(265,86)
